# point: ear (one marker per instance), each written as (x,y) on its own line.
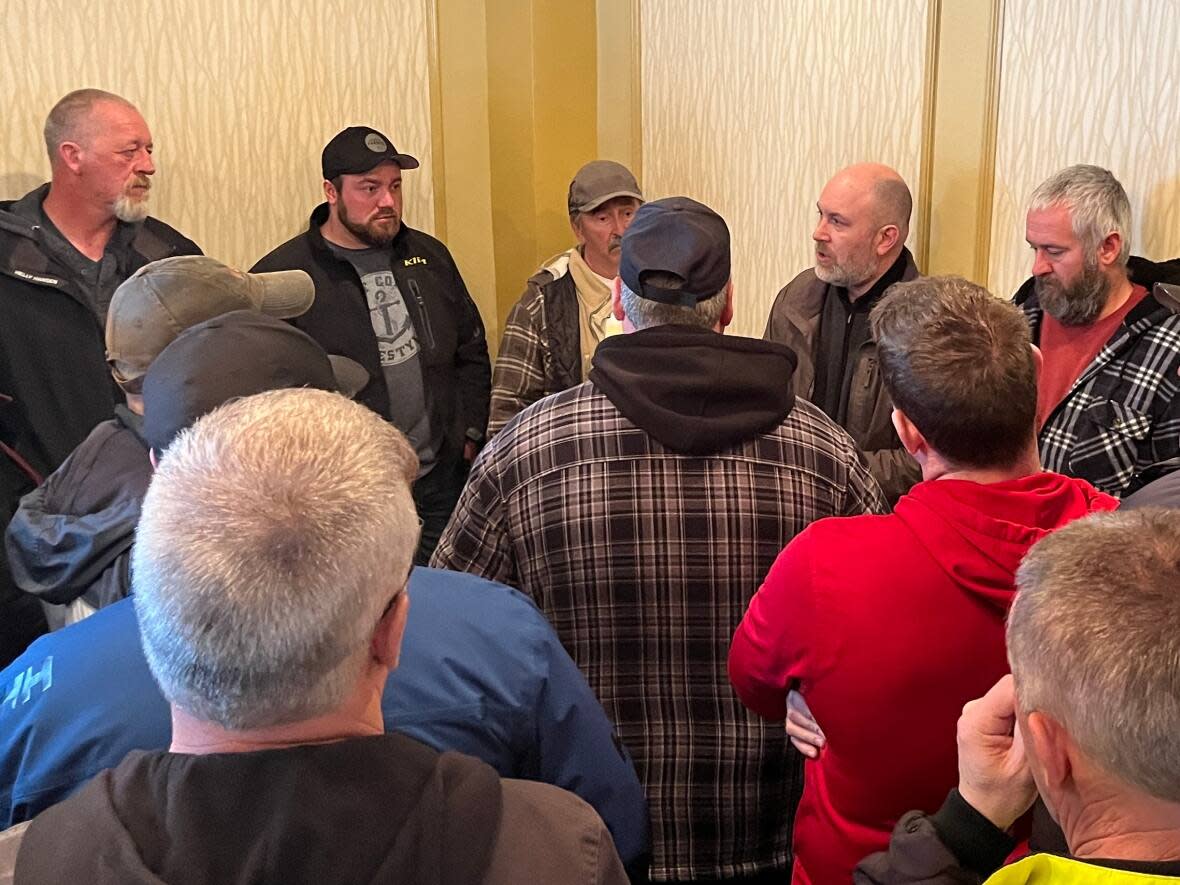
(910,436)
(727,311)
(1038,360)
(887,238)
(1109,249)
(386,644)
(70,154)
(1047,743)
(330,193)
(616,299)
(154,459)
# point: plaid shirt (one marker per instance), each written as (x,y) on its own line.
(1122,414)
(645,560)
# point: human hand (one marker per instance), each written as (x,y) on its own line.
(994,776)
(805,734)
(470,450)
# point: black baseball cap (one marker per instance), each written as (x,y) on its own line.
(358,149)
(237,354)
(681,237)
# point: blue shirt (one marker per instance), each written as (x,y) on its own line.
(481,672)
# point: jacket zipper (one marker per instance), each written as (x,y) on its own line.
(426,331)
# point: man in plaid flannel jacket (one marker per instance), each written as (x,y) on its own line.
(642,509)
(1107,406)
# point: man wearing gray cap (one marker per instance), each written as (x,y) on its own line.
(69,542)
(391,298)
(641,510)
(565,310)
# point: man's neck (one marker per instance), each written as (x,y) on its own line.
(1120,293)
(338,235)
(1027,464)
(861,289)
(1143,829)
(87,227)
(358,716)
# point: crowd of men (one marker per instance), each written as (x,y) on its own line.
(297,586)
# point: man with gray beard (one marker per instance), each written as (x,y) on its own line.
(64,249)
(823,314)
(1106,399)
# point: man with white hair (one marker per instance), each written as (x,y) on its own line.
(64,249)
(269,577)
(1089,719)
(1107,405)
(641,509)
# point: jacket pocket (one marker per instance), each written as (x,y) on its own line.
(1107,447)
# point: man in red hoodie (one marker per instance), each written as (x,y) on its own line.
(887,625)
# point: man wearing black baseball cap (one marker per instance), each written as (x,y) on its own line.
(565,311)
(641,510)
(391,298)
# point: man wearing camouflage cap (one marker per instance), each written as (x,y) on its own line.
(565,310)
(641,509)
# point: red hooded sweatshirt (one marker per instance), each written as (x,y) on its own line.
(888,625)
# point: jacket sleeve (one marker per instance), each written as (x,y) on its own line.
(956,846)
(895,471)
(774,644)
(476,537)
(519,377)
(577,749)
(473,369)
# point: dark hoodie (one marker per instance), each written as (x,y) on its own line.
(71,537)
(888,625)
(693,390)
(376,809)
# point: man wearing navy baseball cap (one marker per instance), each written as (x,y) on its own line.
(391,298)
(642,511)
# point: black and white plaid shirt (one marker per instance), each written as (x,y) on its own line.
(1122,414)
(645,560)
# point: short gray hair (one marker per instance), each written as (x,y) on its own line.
(645,313)
(274,533)
(1092,641)
(66,121)
(1097,204)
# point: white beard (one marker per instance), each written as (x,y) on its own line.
(129,210)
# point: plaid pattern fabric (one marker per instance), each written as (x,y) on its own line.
(1122,414)
(518,378)
(645,560)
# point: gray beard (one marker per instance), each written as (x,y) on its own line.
(129,210)
(1077,304)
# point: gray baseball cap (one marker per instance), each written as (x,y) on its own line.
(599,181)
(162,299)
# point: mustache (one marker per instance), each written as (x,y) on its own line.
(616,242)
(140,181)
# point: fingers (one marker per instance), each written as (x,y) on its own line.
(808,750)
(994,713)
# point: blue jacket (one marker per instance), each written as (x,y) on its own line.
(481,672)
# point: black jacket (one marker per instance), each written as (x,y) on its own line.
(71,537)
(52,345)
(454,351)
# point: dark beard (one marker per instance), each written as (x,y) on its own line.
(366,233)
(1077,304)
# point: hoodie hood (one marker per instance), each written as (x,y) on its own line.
(978,533)
(693,390)
(72,535)
(396,810)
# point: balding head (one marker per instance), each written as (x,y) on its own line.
(864,219)
(73,118)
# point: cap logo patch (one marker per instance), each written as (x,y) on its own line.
(375,143)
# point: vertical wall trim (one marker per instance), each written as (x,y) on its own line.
(929,112)
(987,172)
(438,173)
(637,89)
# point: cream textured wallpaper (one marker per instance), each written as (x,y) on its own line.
(240,97)
(751,105)
(1088,81)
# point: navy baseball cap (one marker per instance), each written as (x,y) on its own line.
(680,237)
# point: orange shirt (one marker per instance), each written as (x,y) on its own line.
(1069,349)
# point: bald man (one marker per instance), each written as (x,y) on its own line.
(823,314)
